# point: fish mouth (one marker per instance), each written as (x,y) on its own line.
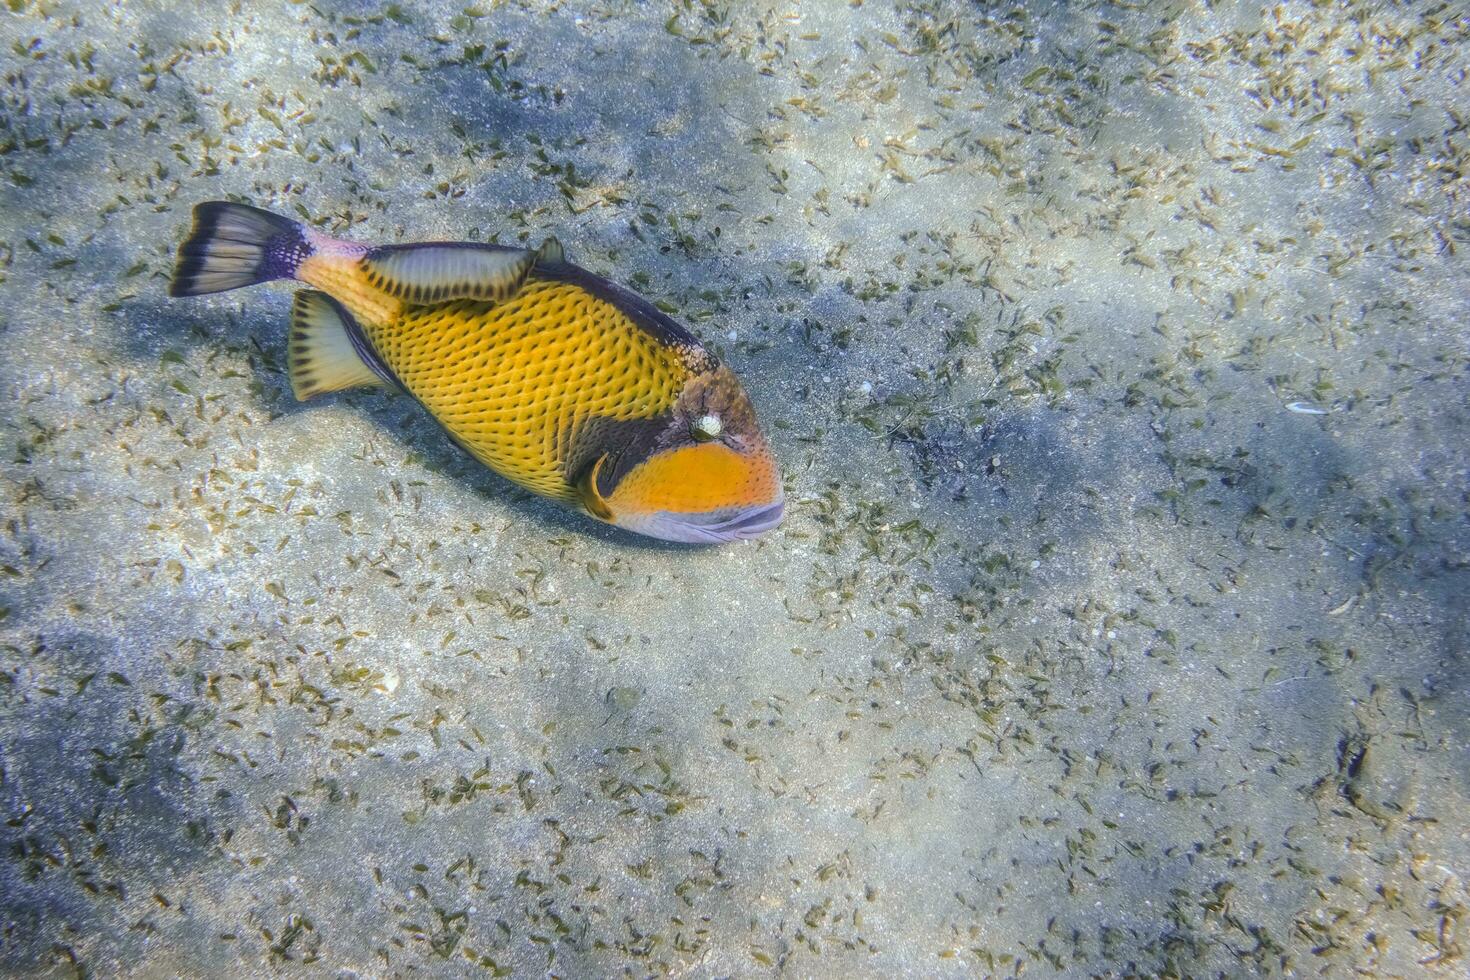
(712,527)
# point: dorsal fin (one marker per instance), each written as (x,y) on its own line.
(438,271)
(551,253)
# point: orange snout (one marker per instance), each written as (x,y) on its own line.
(701,493)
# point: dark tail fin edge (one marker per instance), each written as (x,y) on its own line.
(233,245)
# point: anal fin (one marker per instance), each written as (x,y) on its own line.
(322,355)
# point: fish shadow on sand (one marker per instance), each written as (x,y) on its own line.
(412,426)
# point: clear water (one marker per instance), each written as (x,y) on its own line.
(1116,355)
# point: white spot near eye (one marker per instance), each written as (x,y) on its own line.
(708,427)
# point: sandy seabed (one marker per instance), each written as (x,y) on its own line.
(1116,355)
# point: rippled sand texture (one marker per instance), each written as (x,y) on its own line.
(1117,358)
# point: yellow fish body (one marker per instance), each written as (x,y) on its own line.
(552,376)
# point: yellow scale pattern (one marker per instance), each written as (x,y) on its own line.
(344,279)
(515,382)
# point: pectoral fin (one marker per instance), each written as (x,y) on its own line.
(322,356)
(434,272)
(591,498)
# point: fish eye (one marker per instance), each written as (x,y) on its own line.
(706,428)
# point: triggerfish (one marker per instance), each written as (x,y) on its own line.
(554,377)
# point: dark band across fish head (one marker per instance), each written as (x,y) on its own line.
(700,472)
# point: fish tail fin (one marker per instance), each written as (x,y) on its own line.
(322,356)
(234,245)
